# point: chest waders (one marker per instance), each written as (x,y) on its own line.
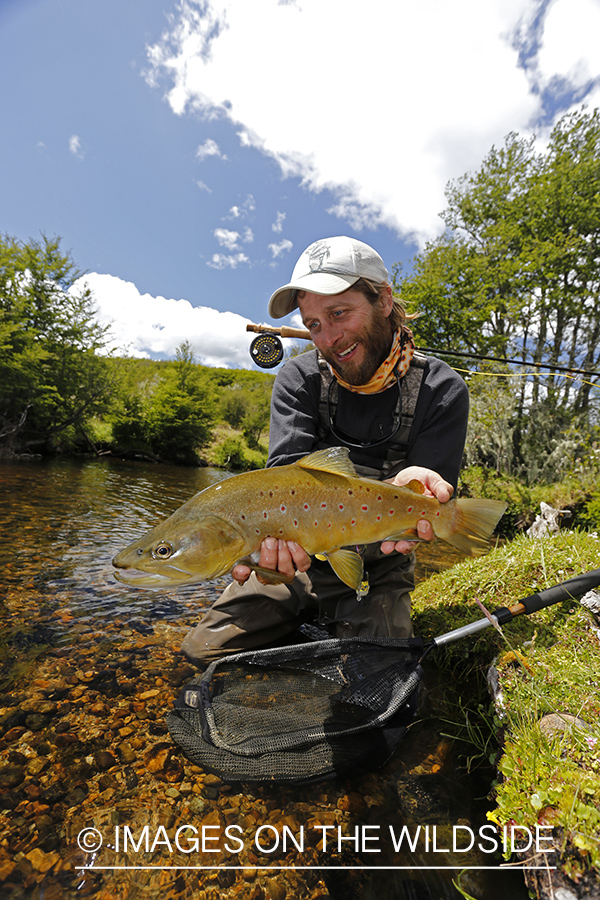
(397,447)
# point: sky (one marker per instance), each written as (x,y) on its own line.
(187,152)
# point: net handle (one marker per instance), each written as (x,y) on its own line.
(572,589)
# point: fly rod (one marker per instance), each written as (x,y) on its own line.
(272,347)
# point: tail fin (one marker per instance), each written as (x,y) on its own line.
(473,524)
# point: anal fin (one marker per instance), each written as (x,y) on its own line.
(347,565)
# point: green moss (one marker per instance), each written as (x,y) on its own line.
(448,599)
(548,663)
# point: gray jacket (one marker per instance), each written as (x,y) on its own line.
(436,438)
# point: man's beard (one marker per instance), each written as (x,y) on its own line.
(376,341)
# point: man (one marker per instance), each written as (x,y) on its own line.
(403,416)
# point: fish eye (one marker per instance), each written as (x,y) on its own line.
(162,551)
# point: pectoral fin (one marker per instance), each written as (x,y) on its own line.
(347,565)
(268,575)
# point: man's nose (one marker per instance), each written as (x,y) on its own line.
(330,334)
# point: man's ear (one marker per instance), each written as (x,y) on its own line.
(386,298)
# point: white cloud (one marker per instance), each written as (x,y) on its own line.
(75,146)
(146,326)
(222,261)
(203,186)
(282,247)
(209,148)
(381,107)
(570,47)
(247,207)
(277,225)
(226,238)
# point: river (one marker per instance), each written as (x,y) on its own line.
(88,667)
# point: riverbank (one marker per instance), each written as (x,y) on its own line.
(543,730)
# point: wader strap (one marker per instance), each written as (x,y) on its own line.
(410,386)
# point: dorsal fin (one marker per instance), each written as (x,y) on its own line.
(331,459)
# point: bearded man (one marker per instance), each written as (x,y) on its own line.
(403,416)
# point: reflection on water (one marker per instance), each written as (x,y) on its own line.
(67,520)
(62,522)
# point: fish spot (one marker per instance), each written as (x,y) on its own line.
(293,492)
(283,508)
(380,497)
(257,530)
(316,524)
(296,522)
(323,506)
(353,522)
(265,515)
(379,518)
(350,492)
(341,505)
(438,513)
(410,509)
(364,508)
(391,512)
(270,493)
(306,506)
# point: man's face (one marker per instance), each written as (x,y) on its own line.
(353,335)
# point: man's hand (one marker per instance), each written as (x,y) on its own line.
(286,557)
(435,486)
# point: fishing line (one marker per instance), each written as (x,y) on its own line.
(519,375)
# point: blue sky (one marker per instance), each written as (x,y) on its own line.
(187,152)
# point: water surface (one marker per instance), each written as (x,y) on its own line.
(62,522)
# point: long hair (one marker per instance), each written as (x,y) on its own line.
(372,291)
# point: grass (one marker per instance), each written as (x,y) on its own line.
(548,663)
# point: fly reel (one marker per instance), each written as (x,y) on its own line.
(266,350)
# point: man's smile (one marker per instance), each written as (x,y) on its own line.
(342,354)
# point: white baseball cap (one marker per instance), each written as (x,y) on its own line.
(328,266)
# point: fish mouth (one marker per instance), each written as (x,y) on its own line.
(138,578)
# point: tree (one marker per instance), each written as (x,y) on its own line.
(51,376)
(517,276)
(169,414)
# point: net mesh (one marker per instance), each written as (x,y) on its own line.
(301,712)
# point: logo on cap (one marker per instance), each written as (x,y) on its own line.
(317,254)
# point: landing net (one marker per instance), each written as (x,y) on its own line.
(301,712)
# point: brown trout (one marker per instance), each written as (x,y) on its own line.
(319,502)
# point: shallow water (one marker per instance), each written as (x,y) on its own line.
(62,611)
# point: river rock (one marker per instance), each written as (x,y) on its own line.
(11,776)
(557,723)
